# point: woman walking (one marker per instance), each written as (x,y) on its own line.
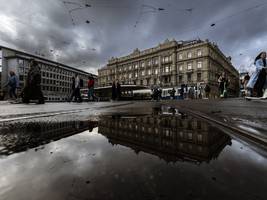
(258,81)
(32,89)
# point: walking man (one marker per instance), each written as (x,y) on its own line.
(91,84)
(13,83)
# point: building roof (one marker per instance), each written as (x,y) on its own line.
(43,59)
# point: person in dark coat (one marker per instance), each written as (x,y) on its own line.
(32,88)
(207,90)
(172,93)
(118,90)
(114,91)
(72,88)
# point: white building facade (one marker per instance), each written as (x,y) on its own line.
(56,77)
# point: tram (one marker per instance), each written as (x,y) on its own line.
(105,93)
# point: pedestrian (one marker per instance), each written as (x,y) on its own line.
(172,93)
(91,84)
(118,90)
(32,89)
(223,84)
(78,83)
(72,88)
(182,91)
(191,93)
(13,84)
(207,90)
(245,82)
(114,91)
(258,81)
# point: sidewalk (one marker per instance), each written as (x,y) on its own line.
(11,112)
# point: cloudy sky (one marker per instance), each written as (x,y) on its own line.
(86,33)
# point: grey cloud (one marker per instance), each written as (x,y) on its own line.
(46,27)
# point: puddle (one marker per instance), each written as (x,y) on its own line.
(17,137)
(165,155)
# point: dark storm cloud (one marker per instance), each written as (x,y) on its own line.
(88,37)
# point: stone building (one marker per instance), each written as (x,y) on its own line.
(56,77)
(172,64)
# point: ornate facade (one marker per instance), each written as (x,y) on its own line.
(172,64)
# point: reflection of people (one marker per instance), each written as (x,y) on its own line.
(13,83)
(32,88)
(258,81)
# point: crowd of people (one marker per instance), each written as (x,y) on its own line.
(32,89)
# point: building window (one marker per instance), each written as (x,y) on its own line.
(199,138)
(136,66)
(136,75)
(189,55)
(130,67)
(20,62)
(156,61)
(190,136)
(149,63)
(199,64)
(149,72)
(189,66)
(198,76)
(189,77)
(130,75)
(180,56)
(180,68)
(156,71)
(199,53)
(143,72)
(21,77)
(166,59)
(143,64)
(167,69)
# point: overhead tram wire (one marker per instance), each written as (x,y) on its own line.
(239,13)
(213,24)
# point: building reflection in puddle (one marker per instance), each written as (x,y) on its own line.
(169,136)
(17,137)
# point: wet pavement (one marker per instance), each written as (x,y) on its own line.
(250,117)
(162,154)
